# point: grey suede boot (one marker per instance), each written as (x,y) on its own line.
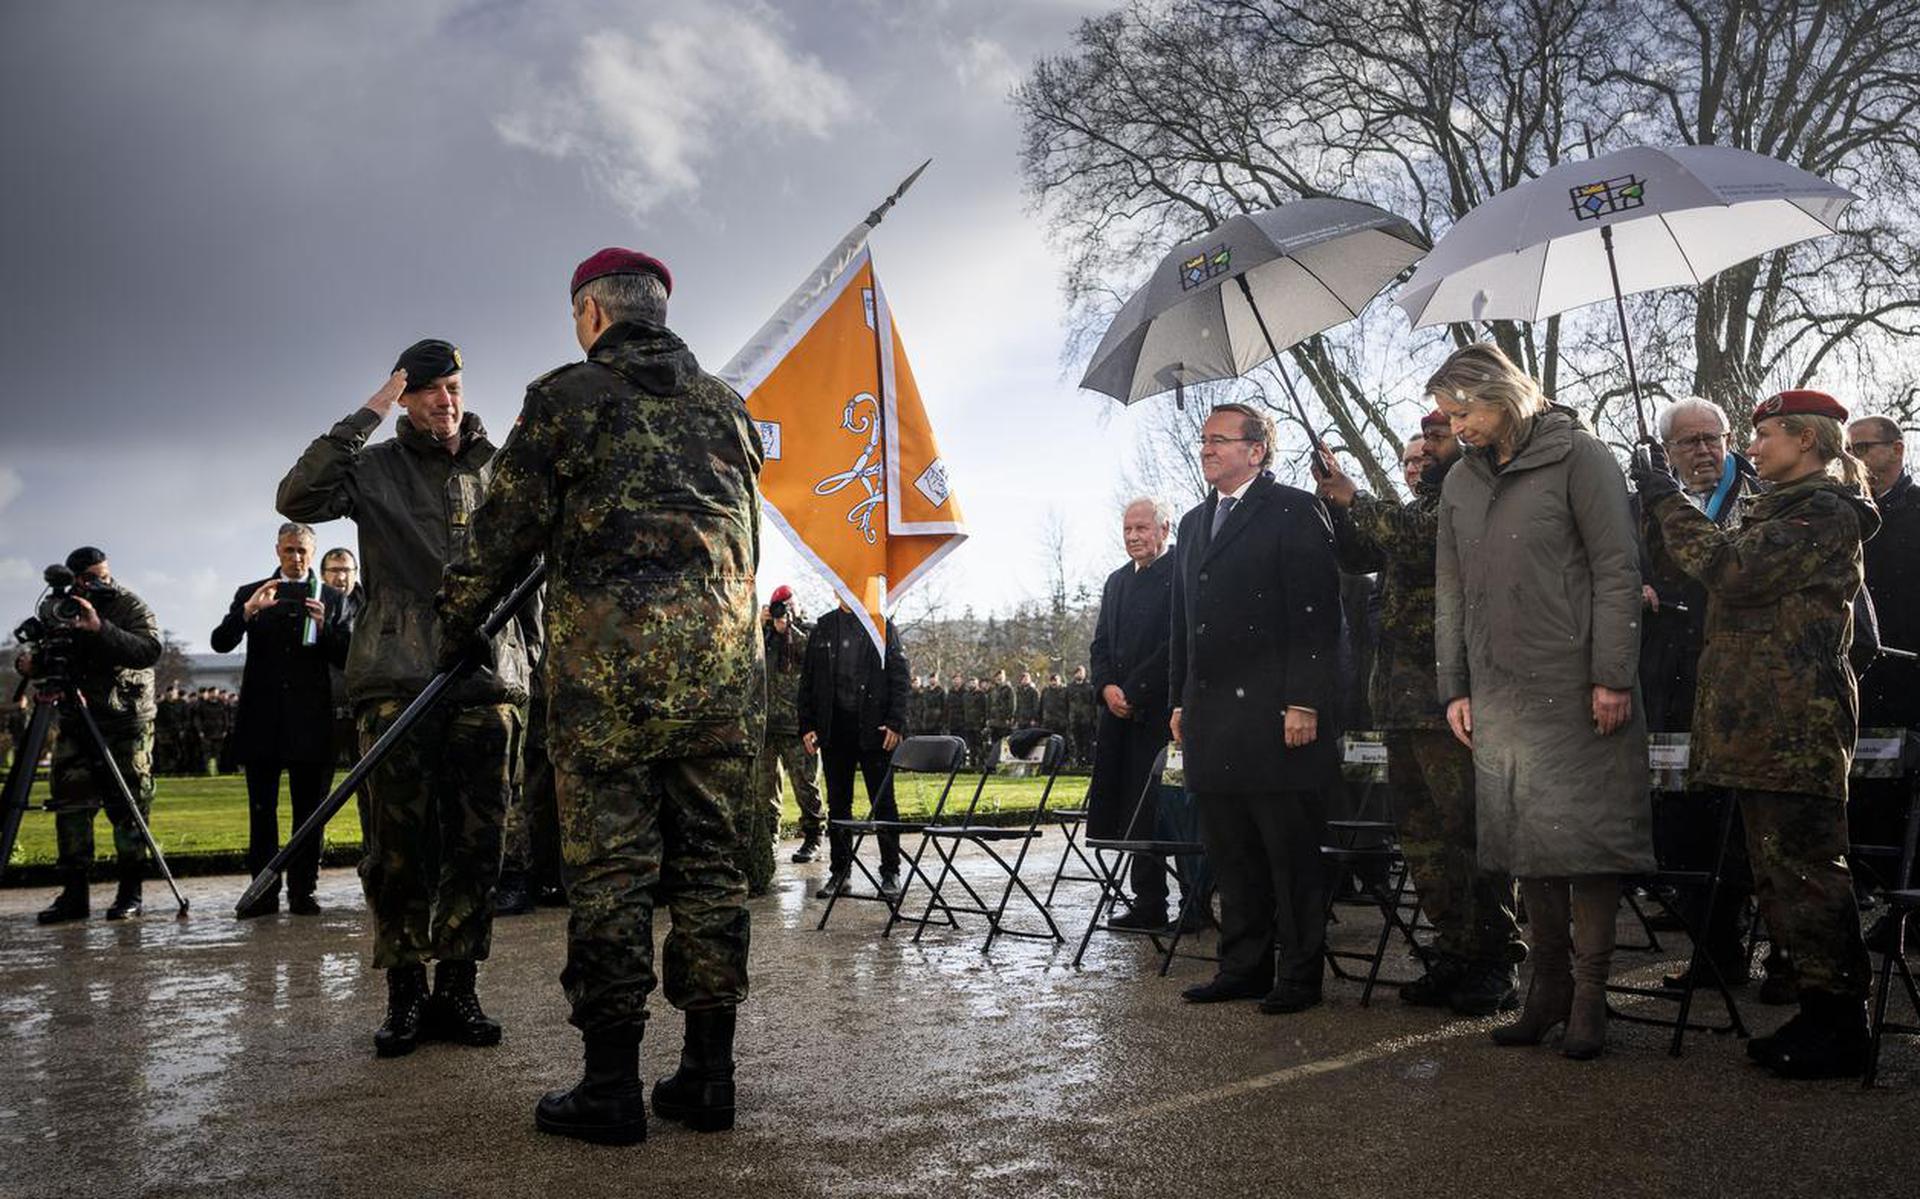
(1596,905)
(1550,995)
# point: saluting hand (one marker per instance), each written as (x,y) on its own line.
(382,401)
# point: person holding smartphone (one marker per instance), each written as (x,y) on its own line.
(295,632)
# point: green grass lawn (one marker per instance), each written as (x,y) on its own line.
(207,817)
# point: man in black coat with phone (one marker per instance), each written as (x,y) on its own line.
(1256,631)
(852,712)
(1130,643)
(295,632)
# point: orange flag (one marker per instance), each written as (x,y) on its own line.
(853,474)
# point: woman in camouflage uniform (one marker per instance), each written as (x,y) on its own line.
(1777,708)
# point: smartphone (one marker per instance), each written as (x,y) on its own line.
(292,595)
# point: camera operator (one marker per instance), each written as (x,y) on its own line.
(110,642)
(785,637)
(294,633)
(435,808)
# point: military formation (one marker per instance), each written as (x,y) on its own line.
(191,729)
(981,711)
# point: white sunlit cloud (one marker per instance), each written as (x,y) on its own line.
(648,112)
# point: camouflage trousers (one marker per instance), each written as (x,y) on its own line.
(1430,776)
(785,753)
(659,833)
(82,786)
(1797,845)
(433,813)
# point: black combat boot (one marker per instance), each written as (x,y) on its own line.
(72,902)
(608,1106)
(126,901)
(512,897)
(700,1093)
(406,1004)
(1433,988)
(809,846)
(453,1014)
(1484,988)
(1831,1042)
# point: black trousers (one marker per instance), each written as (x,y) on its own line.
(839,759)
(1118,793)
(1686,835)
(307,784)
(1265,853)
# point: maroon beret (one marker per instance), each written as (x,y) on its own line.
(1436,417)
(780,594)
(1800,403)
(615,261)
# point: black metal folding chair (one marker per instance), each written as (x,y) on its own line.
(1369,854)
(1072,822)
(1038,747)
(1901,906)
(931,755)
(1123,850)
(1660,884)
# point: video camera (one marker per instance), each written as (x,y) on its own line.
(778,609)
(48,630)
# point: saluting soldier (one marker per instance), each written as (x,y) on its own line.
(635,474)
(1776,706)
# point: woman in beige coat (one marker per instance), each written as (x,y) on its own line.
(1537,611)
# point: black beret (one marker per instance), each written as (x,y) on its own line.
(85,558)
(427,360)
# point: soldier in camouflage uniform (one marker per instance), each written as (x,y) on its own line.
(1000,708)
(1429,772)
(1053,706)
(435,807)
(973,713)
(114,646)
(1083,711)
(954,716)
(1776,710)
(784,640)
(1026,703)
(635,474)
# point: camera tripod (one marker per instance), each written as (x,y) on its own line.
(54,695)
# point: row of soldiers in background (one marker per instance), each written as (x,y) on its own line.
(191,731)
(981,711)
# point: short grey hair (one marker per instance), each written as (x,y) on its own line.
(1690,404)
(636,298)
(1162,512)
(1882,427)
(1255,426)
(294,528)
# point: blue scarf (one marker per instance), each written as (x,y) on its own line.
(1729,475)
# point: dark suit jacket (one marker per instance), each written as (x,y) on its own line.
(286,689)
(883,688)
(1130,648)
(1256,629)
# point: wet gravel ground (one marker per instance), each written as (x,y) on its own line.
(207,1057)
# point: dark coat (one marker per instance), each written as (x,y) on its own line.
(286,689)
(1256,630)
(882,699)
(1890,689)
(1131,645)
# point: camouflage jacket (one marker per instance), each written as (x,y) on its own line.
(1777,705)
(636,474)
(412,503)
(113,668)
(1053,708)
(785,654)
(1000,704)
(1083,706)
(1397,540)
(973,708)
(1026,706)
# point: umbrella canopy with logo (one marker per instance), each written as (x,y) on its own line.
(1225,302)
(1635,220)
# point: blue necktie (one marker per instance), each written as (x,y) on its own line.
(1220,514)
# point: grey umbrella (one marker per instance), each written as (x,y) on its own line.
(1225,302)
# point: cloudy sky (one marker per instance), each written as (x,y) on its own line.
(223,220)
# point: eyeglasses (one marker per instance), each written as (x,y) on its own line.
(1216,441)
(1857,447)
(1703,441)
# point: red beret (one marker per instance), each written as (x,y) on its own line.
(1436,417)
(780,593)
(615,261)
(1800,403)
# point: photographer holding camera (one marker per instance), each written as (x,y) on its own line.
(294,629)
(103,641)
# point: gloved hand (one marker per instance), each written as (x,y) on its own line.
(1652,474)
(457,649)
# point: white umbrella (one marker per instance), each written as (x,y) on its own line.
(1225,302)
(1634,220)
